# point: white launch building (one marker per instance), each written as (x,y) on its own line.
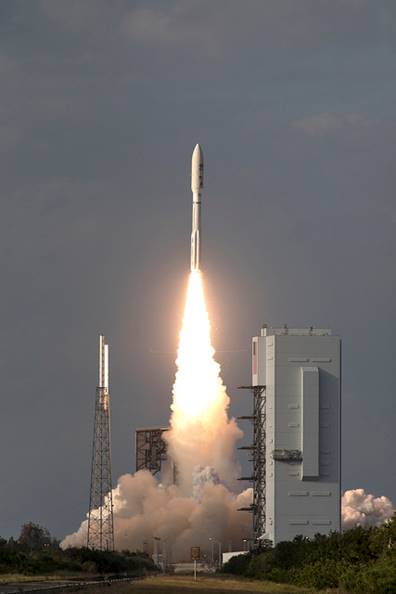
(301,372)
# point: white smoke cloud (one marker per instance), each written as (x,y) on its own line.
(143,508)
(207,445)
(362,509)
(201,477)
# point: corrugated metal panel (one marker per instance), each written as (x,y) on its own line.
(310,421)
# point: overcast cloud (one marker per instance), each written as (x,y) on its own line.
(101,105)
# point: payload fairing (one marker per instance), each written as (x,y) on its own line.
(196,188)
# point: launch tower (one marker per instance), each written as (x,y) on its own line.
(100,518)
(296,383)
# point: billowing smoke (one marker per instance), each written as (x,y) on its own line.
(202,477)
(144,509)
(362,509)
(201,443)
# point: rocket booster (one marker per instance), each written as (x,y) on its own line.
(196,188)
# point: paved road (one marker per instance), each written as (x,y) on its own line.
(29,586)
(54,587)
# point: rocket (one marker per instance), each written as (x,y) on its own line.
(196,188)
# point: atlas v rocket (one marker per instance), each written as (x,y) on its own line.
(196,188)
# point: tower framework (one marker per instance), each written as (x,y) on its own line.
(150,448)
(258,450)
(100,517)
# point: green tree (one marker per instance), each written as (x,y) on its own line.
(34,537)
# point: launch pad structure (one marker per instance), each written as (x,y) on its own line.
(100,534)
(257,449)
(296,386)
(150,448)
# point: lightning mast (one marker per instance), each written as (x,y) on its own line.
(100,517)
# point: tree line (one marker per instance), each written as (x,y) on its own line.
(358,561)
(35,552)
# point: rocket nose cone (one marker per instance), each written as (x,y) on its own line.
(197,169)
(197,154)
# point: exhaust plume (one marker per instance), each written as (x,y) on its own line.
(201,432)
(201,442)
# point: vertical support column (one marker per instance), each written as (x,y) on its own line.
(101,361)
(106,367)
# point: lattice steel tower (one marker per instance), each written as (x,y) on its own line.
(100,518)
(258,449)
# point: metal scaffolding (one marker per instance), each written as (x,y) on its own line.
(150,449)
(100,516)
(258,459)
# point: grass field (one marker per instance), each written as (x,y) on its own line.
(178,585)
(210,585)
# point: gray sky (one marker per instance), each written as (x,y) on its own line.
(101,104)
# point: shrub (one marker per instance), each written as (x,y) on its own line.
(359,560)
(321,574)
(378,577)
(238,565)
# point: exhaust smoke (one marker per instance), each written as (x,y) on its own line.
(201,442)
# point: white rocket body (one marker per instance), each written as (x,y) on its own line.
(196,188)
